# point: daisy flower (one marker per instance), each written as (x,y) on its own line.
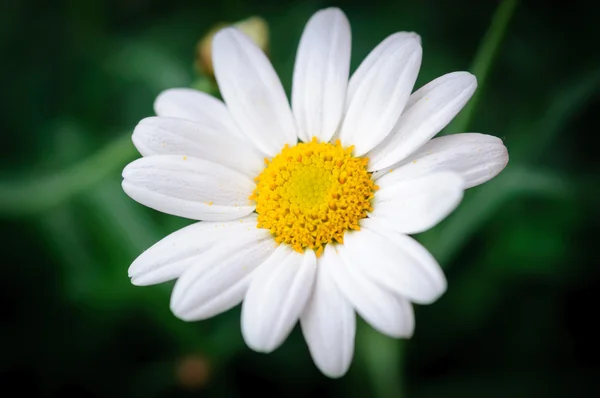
(305,211)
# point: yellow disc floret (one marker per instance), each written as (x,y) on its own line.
(310,194)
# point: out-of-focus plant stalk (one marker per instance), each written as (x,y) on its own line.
(383,357)
(482,63)
(26,196)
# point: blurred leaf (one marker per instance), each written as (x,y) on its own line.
(570,98)
(25,196)
(124,220)
(64,233)
(149,64)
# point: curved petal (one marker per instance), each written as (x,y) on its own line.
(388,259)
(276,297)
(411,247)
(329,325)
(194,105)
(171,256)
(170,136)
(414,206)
(386,312)
(219,278)
(252,91)
(188,187)
(374,56)
(434,106)
(378,91)
(476,157)
(321,75)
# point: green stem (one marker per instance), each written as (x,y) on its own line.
(383,359)
(482,63)
(42,193)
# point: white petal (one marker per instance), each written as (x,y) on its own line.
(219,279)
(374,56)
(276,297)
(410,246)
(190,104)
(476,157)
(188,187)
(433,107)
(170,257)
(414,206)
(396,262)
(385,311)
(329,325)
(378,91)
(321,75)
(170,136)
(252,91)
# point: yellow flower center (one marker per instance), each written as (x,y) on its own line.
(310,194)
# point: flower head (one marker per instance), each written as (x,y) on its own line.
(305,211)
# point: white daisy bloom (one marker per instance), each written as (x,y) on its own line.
(305,210)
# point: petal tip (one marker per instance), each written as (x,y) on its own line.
(176,305)
(439,291)
(138,280)
(331,10)
(335,14)
(139,137)
(503,160)
(125,174)
(406,35)
(334,373)
(258,343)
(415,36)
(138,267)
(226,33)
(165,98)
(469,79)
(505,157)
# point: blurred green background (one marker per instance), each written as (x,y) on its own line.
(520,253)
